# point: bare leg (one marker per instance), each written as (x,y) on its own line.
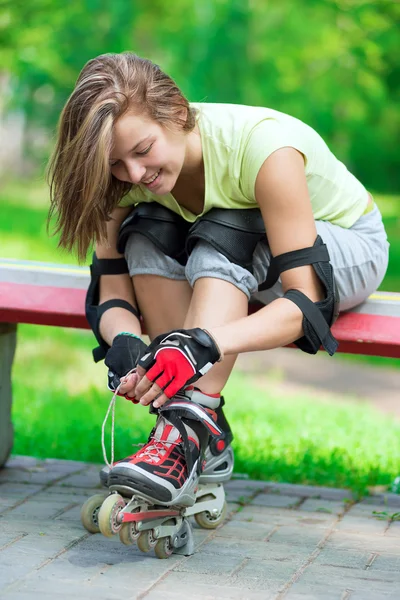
(215,302)
(169,304)
(163,302)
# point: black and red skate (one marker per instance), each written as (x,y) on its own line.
(166,470)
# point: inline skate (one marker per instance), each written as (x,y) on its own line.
(179,473)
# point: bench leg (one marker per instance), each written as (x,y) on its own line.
(8,341)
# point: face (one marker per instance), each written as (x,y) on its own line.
(146,153)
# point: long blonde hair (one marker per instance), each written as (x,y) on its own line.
(83,191)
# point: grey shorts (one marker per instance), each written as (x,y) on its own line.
(359,257)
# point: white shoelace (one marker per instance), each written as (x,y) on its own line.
(111,407)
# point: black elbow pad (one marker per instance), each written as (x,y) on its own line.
(94,311)
(318,316)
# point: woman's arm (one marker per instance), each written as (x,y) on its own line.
(182,356)
(116,320)
(282,194)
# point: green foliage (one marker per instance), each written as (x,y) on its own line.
(60,402)
(333,63)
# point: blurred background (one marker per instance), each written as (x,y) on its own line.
(334,64)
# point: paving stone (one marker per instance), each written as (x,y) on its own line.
(16,565)
(69,466)
(264,574)
(8,537)
(42,510)
(6,503)
(38,545)
(301,591)
(87,479)
(309,491)
(52,528)
(362,525)
(44,588)
(137,576)
(374,543)
(22,462)
(245,530)
(317,505)
(383,500)
(59,490)
(18,491)
(363,509)
(201,563)
(276,516)
(174,587)
(394,529)
(300,535)
(386,562)
(255,550)
(359,579)
(38,475)
(246,486)
(356,595)
(276,500)
(348,559)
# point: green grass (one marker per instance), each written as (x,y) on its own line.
(60,400)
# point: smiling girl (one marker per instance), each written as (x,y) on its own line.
(193,209)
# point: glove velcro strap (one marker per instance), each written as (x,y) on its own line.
(315,318)
(295,258)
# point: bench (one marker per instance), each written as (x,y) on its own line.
(51,294)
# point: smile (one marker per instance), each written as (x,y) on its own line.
(148,181)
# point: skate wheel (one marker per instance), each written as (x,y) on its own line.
(111,507)
(163,548)
(128,534)
(90,513)
(146,540)
(208,521)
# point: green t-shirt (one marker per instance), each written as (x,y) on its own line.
(236,140)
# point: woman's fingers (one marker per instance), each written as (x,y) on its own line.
(149,396)
(143,387)
(128,385)
(160,401)
(140,371)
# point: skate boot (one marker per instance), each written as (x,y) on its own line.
(167,469)
(154,491)
(218,457)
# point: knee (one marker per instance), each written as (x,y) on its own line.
(206,261)
(145,258)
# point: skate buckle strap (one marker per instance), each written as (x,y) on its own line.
(191,410)
(111,407)
(174,409)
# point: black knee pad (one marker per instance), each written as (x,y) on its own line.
(235,233)
(318,316)
(164,228)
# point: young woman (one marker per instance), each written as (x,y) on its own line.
(193,209)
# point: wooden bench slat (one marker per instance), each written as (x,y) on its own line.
(357,332)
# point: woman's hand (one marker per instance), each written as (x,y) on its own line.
(172,361)
(121,359)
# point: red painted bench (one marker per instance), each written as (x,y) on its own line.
(49,294)
(46,294)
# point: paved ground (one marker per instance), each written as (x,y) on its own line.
(279,542)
